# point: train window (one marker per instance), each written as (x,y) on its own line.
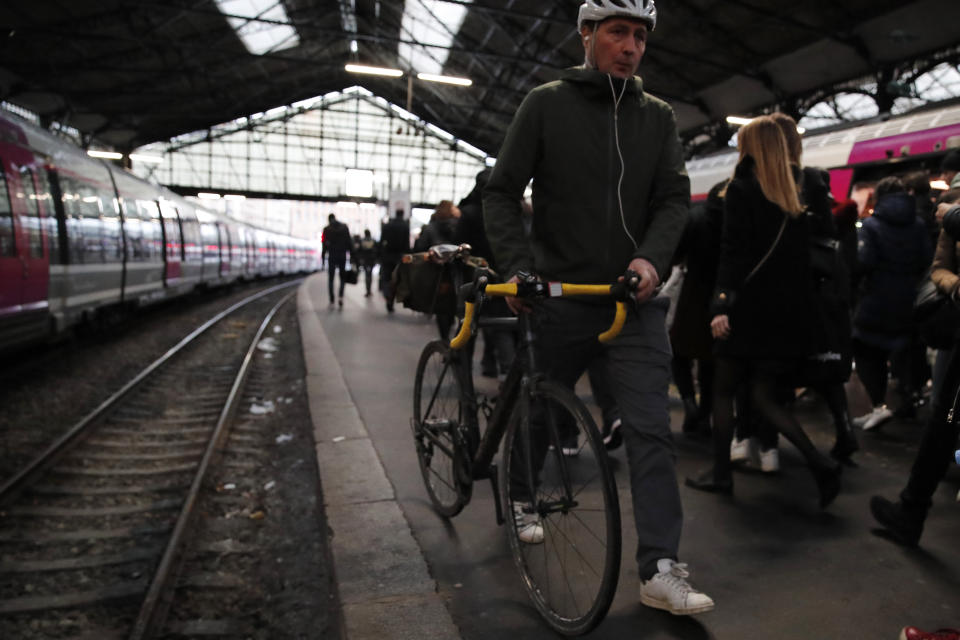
(49,215)
(31,222)
(7,246)
(133,231)
(150,218)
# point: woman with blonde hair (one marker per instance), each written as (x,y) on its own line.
(764,311)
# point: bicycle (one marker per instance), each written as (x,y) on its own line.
(553,478)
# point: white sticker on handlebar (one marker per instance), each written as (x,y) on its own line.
(556,289)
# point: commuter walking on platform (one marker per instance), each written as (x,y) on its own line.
(367,249)
(442,229)
(610,193)
(903,520)
(764,302)
(394,242)
(336,245)
(893,253)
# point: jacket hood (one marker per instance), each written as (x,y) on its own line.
(896,208)
(593,80)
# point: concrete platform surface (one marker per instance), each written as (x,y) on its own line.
(776,565)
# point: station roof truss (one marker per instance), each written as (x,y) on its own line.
(127,73)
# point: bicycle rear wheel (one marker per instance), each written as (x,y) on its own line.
(571,566)
(439,412)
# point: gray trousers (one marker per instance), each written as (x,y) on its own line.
(636,369)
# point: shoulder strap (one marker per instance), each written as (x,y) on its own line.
(776,241)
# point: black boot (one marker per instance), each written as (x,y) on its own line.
(712,481)
(846,443)
(691,416)
(827,474)
(903,524)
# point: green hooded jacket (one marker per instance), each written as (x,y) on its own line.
(564,138)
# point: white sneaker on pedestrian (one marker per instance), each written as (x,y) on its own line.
(741,450)
(875,418)
(528,523)
(770,460)
(669,590)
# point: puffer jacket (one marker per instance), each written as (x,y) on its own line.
(893,252)
(564,136)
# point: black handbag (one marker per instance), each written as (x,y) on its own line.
(929,300)
(936,315)
(350,276)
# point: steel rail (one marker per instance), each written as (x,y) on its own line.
(13,485)
(152,613)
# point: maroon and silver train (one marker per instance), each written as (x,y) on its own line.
(80,237)
(857,156)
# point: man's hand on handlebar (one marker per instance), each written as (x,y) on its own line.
(648,278)
(517,305)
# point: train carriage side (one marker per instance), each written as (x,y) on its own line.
(28,237)
(859,154)
(143,233)
(191,263)
(86,272)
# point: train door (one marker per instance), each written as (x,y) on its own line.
(24,262)
(33,253)
(11,269)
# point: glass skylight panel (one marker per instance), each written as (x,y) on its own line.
(262,25)
(430,22)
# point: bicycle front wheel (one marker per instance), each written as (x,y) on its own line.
(563,515)
(439,412)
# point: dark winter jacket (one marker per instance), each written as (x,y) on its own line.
(699,250)
(563,137)
(336,240)
(394,240)
(773,314)
(893,253)
(436,232)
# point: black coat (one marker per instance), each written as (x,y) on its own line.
(773,314)
(894,252)
(699,250)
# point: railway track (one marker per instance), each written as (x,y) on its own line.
(93,532)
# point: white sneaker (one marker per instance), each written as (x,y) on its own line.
(770,460)
(741,450)
(528,524)
(875,418)
(670,591)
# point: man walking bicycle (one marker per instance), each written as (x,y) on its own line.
(610,193)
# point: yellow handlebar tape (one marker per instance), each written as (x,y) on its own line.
(586,289)
(503,289)
(510,289)
(618,320)
(463,336)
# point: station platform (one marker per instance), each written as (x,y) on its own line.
(776,565)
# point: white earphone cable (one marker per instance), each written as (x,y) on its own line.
(623,167)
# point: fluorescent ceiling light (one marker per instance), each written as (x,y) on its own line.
(940,185)
(234,196)
(262,25)
(432,77)
(208,196)
(108,155)
(433,24)
(374,71)
(738,120)
(139,157)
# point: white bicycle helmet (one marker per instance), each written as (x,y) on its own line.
(598,10)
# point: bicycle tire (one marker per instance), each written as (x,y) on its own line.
(571,576)
(439,412)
